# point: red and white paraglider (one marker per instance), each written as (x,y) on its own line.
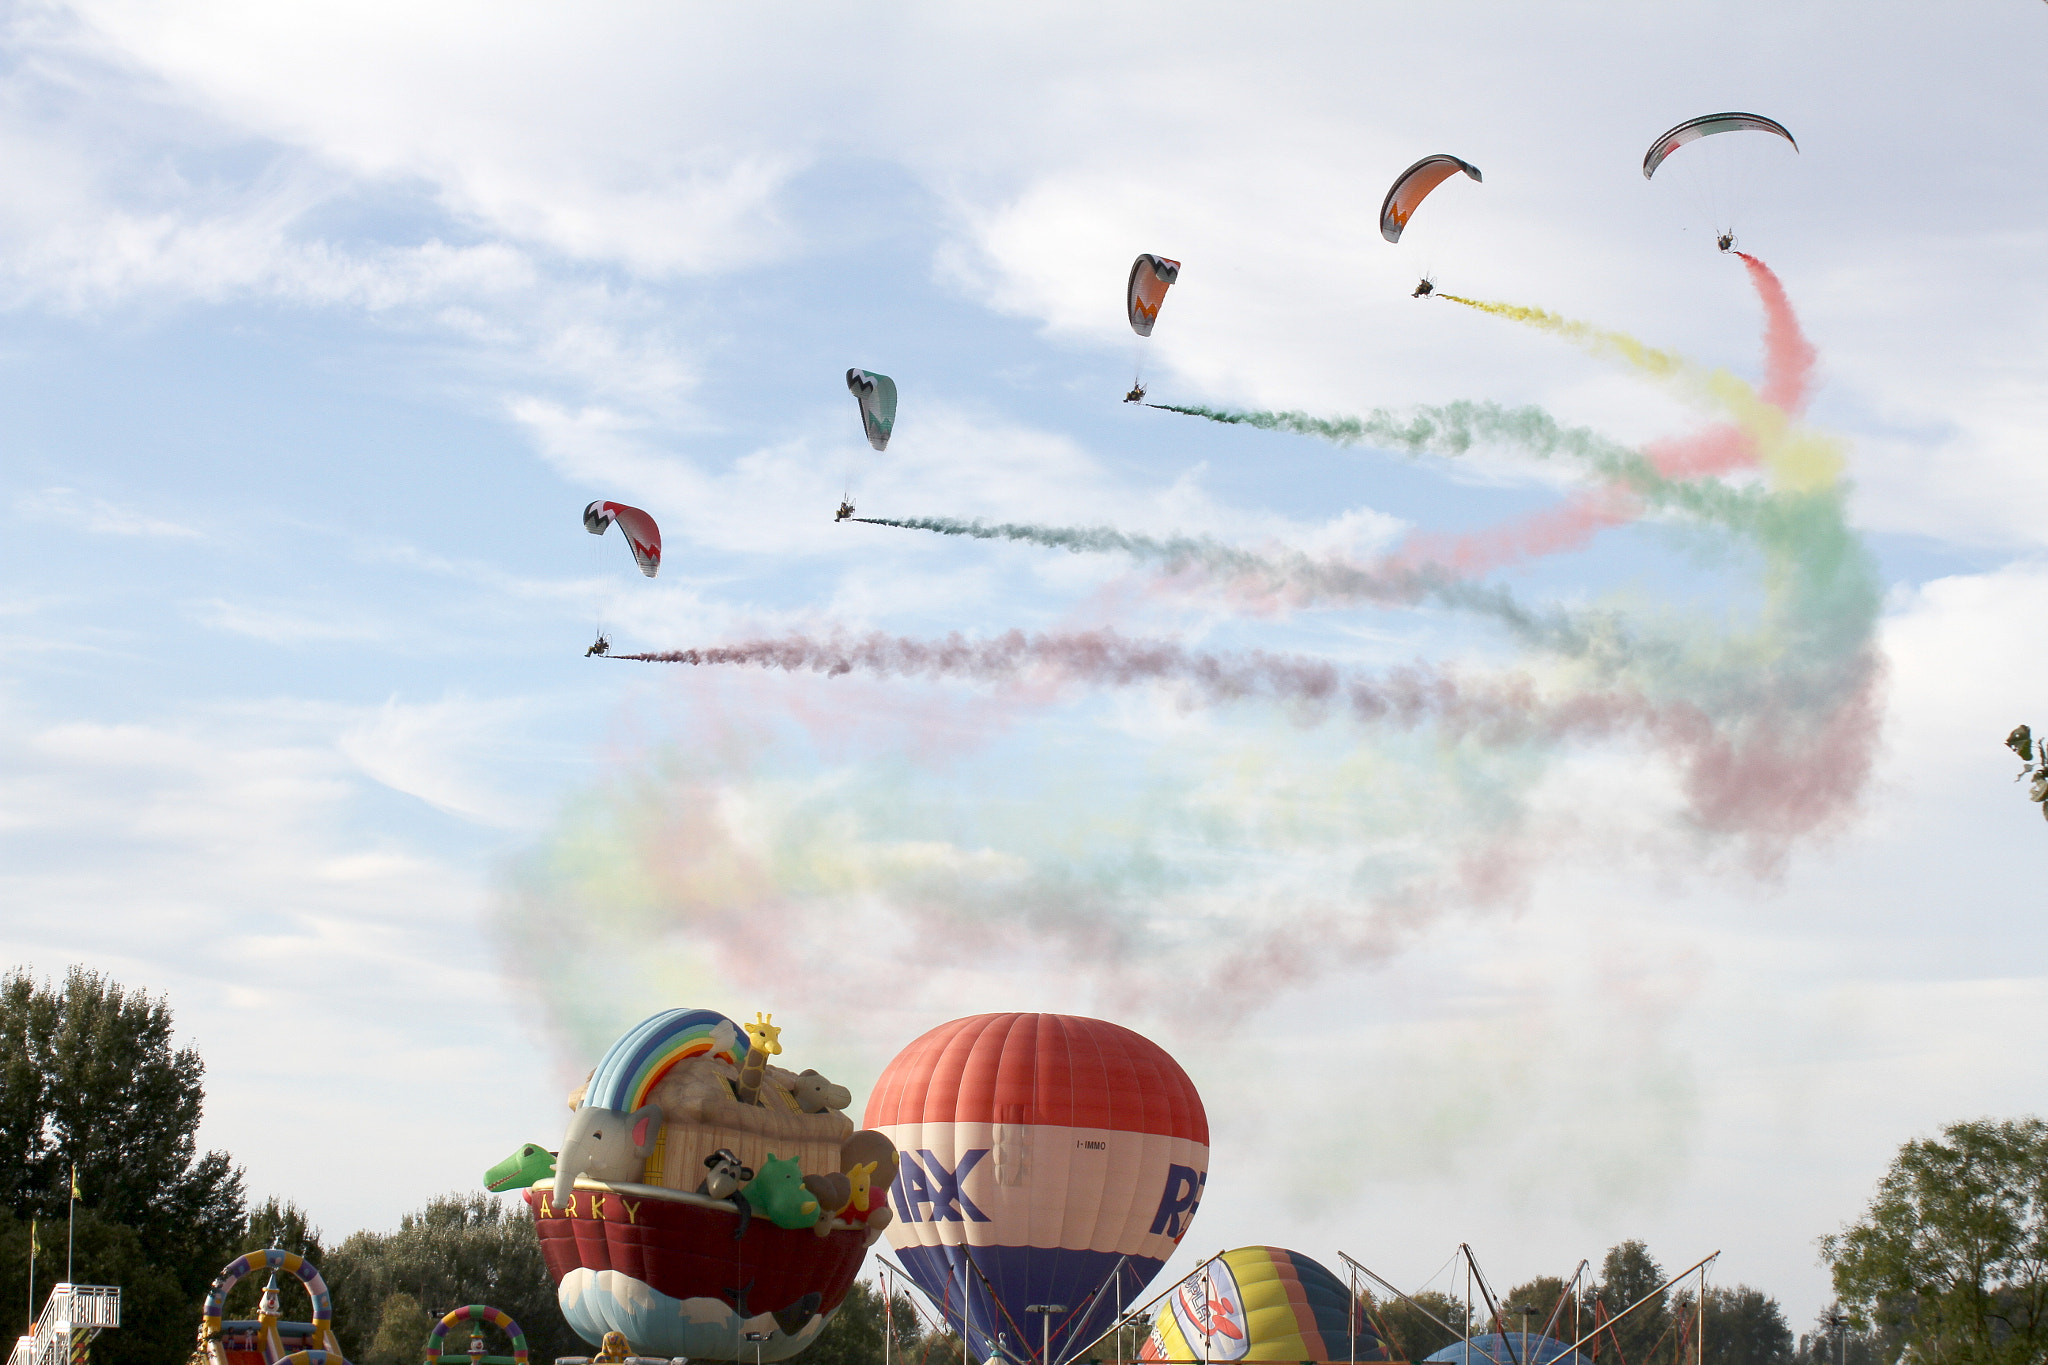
(642,537)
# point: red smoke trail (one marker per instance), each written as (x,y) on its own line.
(1505,711)
(1715,450)
(1763,771)
(1553,530)
(1788,356)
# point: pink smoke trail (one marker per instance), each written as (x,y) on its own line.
(1788,356)
(1571,525)
(1757,772)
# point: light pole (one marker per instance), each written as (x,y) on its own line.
(1525,1310)
(1835,1322)
(757,1338)
(1045,1312)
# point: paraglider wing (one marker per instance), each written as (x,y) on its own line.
(1412,186)
(1151,276)
(643,537)
(876,394)
(1046,1159)
(1695,128)
(1261,1303)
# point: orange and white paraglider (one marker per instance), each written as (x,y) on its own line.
(1406,194)
(1151,277)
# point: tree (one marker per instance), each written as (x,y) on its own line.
(1627,1274)
(89,1077)
(1745,1326)
(854,1336)
(1834,1342)
(279,1223)
(1952,1254)
(402,1330)
(1415,1336)
(1550,1311)
(459,1249)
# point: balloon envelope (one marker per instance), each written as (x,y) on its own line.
(1047,1159)
(1261,1303)
(1510,1348)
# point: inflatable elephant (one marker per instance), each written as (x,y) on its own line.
(604,1144)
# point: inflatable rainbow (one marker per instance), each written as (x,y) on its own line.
(638,1061)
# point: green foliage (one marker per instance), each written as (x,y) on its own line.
(280,1223)
(402,1330)
(459,1249)
(1834,1341)
(1414,1335)
(854,1336)
(1951,1258)
(1627,1274)
(1745,1326)
(1549,1314)
(88,1075)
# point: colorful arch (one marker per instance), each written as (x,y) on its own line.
(291,1263)
(313,1358)
(479,1312)
(635,1063)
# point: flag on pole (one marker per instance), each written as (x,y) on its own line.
(74,1182)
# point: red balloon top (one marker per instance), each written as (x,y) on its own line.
(1058,1069)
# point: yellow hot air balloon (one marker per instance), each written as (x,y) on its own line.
(1261,1303)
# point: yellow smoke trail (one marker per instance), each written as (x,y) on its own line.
(1598,340)
(1795,457)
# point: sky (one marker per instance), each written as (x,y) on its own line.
(1678,878)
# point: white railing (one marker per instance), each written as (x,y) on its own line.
(74,1314)
(94,1305)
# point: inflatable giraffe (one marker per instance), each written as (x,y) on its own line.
(762,1035)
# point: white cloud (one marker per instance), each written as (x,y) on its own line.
(98,516)
(430,751)
(322,959)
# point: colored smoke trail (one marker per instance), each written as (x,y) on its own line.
(1447,429)
(1292,577)
(1220,823)
(1789,357)
(1745,745)
(1599,341)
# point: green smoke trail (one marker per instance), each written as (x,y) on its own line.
(1303,579)
(1446,429)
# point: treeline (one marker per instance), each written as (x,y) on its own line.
(1948,1266)
(89,1076)
(1745,1326)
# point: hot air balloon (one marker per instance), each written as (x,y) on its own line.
(686,1209)
(642,536)
(1048,1162)
(1509,1348)
(1412,186)
(876,394)
(1261,1303)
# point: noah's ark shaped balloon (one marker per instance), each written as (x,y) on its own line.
(703,1197)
